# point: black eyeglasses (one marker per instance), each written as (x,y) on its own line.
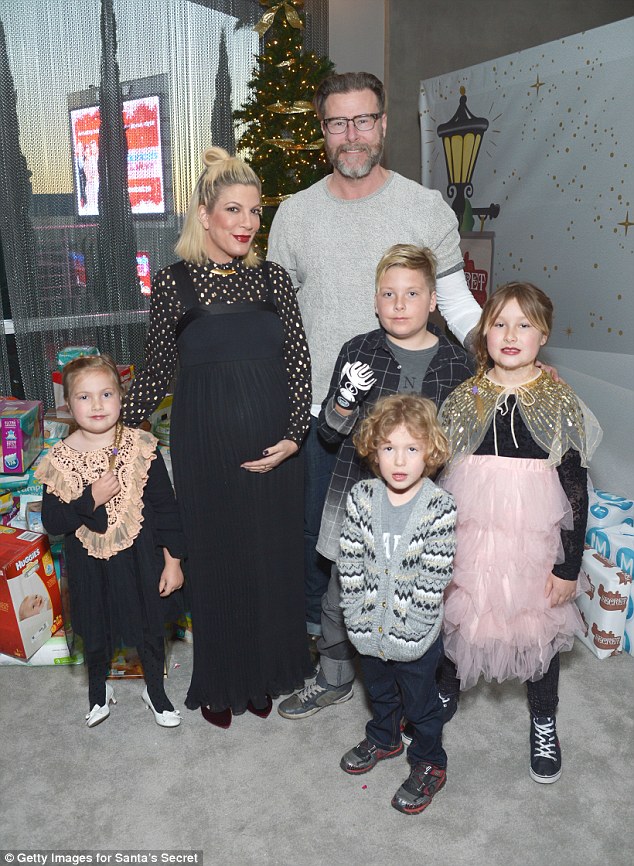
(362,122)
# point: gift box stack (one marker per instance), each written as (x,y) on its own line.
(32,574)
(608,563)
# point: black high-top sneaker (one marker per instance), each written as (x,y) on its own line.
(545,751)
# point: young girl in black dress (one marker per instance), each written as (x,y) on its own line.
(107,491)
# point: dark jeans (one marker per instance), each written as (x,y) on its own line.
(409,689)
(319,461)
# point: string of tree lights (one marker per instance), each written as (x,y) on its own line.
(282,139)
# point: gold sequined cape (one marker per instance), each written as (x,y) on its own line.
(67,472)
(553,414)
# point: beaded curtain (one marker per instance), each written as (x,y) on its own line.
(78,255)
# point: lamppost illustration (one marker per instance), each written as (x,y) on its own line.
(461,138)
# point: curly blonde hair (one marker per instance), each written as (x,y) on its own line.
(221,170)
(420,418)
(98,363)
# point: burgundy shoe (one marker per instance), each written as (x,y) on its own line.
(264,712)
(220,720)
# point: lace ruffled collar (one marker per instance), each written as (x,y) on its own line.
(67,472)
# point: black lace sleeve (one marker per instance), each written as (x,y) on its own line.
(152,383)
(296,355)
(574,480)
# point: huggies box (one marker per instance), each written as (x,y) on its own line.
(30,602)
(21,428)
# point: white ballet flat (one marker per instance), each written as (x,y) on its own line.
(166,719)
(99,714)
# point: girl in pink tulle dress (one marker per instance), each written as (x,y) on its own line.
(520,447)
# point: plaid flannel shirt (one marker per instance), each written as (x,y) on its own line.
(448,368)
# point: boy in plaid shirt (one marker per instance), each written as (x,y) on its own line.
(405,355)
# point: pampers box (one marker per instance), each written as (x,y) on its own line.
(30,601)
(21,428)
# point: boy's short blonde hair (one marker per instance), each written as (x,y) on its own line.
(417,414)
(99,363)
(411,257)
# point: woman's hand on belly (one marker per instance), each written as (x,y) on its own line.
(273,456)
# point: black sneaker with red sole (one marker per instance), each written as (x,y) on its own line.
(365,756)
(417,792)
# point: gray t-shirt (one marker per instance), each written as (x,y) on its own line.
(393,521)
(331,247)
(413,364)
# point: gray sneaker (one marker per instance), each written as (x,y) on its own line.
(313,698)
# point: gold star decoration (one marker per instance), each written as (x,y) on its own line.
(568,331)
(537,85)
(626,223)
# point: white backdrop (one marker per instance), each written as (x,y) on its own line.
(557,158)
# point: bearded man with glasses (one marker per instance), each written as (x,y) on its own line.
(330,238)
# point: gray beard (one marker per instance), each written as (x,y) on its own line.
(373,158)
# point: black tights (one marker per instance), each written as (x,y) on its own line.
(543,695)
(98,664)
(152,655)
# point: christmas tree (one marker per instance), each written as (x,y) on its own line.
(283,141)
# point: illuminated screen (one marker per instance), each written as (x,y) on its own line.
(143,272)
(141,121)
(78,269)
(77,263)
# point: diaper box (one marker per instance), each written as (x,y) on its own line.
(70,353)
(126,663)
(30,601)
(603,606)
(615,543)
(21,429)
(57,428)
(160,420)
(609,509)
(55,652)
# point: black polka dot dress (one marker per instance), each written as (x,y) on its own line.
(243,384)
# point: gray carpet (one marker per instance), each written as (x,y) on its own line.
(271,791)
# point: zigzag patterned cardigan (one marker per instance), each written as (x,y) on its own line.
(393,608)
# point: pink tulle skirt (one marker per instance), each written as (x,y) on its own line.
(498,623)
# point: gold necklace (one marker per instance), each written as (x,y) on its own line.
(221,272)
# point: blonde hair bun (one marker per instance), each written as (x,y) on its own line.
(211,155)
(221,170)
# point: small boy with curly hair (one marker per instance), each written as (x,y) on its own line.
(396,558)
